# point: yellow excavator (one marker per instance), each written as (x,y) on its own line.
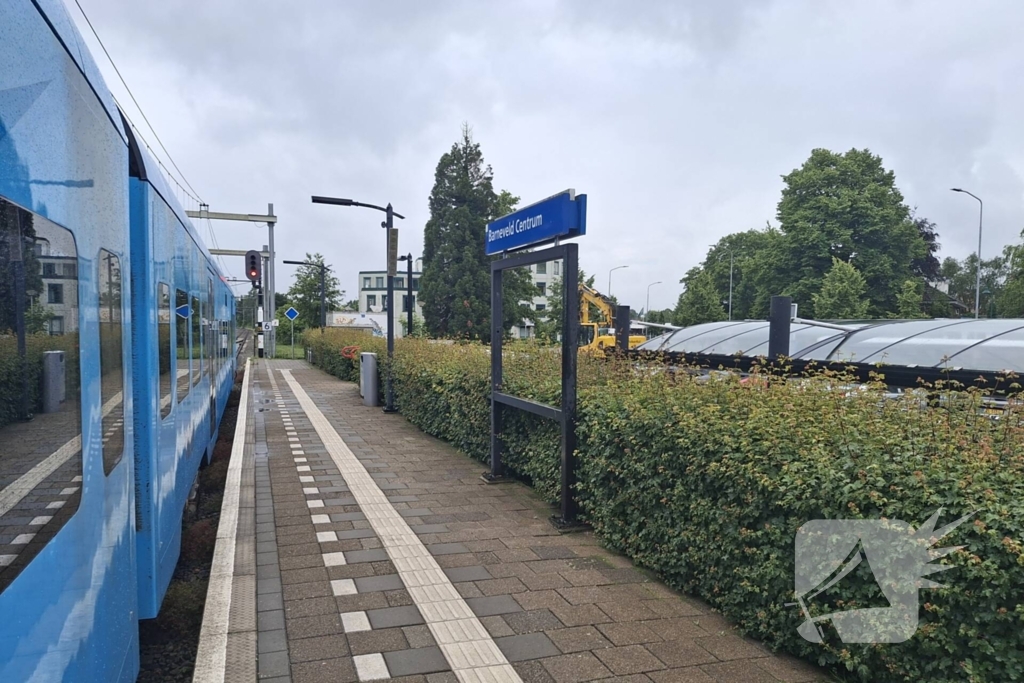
(596,335)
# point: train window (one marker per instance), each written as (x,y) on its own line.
(181,318)
(211,327)
(163,334)
(111,359)
(197,341)
(40,387)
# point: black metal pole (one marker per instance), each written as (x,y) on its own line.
(570,337)
(778,327)
(323,298)
(622,328)
(389,405)
(408,298)
(497,337)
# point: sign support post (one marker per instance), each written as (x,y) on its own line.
(563,215)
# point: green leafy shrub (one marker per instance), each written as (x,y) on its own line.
(707,481)
(13,369)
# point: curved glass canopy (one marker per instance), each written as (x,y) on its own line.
(988,345)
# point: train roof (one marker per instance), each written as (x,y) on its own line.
(143,166)
(56,15)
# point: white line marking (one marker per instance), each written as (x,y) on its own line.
(326,536)
(23,485)
(8,559)
(343,587)
(22,539)
(321,519)
(39,521)
(470,650)
(211,659)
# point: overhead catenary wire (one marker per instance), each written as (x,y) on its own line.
(137,105)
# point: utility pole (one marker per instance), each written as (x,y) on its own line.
(271,220)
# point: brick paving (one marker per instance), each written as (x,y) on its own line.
(334,604)
(40,484)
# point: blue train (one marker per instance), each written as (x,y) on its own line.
(116,361)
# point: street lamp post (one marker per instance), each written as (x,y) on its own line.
(388,224)
(610,278)
(977,282)
(647,311)
(408,289)
(731,255)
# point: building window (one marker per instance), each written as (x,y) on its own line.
(415,283)
(555,266)
(57,324)
(111,360)
(380,283)
(405,302)
(54,294)
(49,270)
(541,307)
(542,288)
(542,269)
(366,283)
(371,299)
(384,302)
(399,283)
(71,270)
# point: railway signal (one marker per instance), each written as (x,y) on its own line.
(253,265)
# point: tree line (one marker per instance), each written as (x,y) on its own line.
(847,246)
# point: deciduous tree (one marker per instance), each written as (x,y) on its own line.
(842,293)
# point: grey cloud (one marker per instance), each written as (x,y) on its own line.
(677,119)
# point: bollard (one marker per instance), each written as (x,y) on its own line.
(53,381)
(778,327)
(622,328)
(368,378)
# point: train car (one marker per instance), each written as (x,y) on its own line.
(183,317)
(110,391)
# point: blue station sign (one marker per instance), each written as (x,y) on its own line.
(563,215)
(291,313)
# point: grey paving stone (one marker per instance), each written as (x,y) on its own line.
(524,647)
(424,660)
(355,534)
(319,647)
(459,574)
(447,548)
(498,604)
(271,641)
(376,555)
(379,583)
(273,664)
(268,586)
(269,621)
(269,601)
(532,621)
(394,616)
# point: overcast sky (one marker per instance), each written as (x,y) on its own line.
(677,119)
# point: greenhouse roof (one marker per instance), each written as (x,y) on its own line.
(963,343)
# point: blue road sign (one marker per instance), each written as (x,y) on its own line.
(291,313)
(563,215)
(183,311)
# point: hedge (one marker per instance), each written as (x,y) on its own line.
(13,369)
(707,481)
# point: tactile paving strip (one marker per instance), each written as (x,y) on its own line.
(466,644)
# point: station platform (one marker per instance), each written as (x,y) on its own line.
(352,547)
